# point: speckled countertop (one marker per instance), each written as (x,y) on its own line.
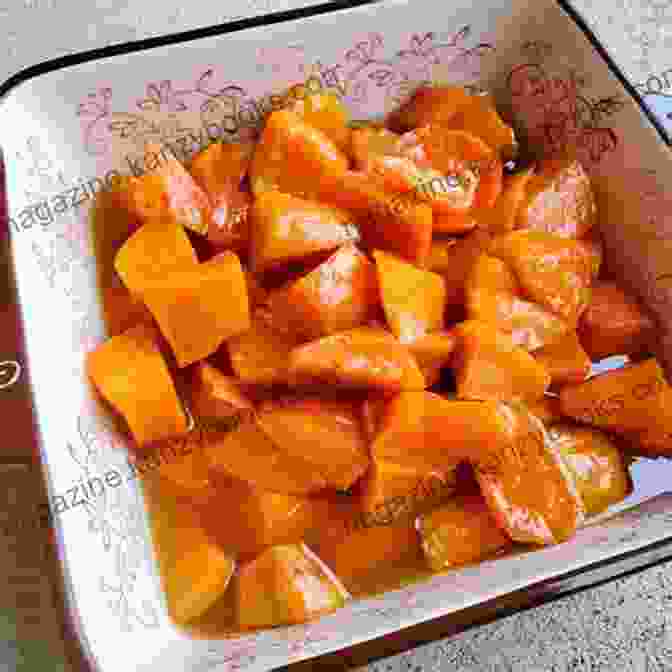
(624,625)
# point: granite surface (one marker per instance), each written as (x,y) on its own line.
(624,625)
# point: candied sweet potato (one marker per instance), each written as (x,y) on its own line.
(122,310)
(429,105)
(614,323)
(413,298)
(362,358)
(596,464)
(629,399)
(195,572)
(433,352)
(247,453)
(493,295)
(260,355)
(501,218)
(426,431)
(288,229)
(340,294)
(395,222)
(156,248)
(552,271)
(528,487)
(559,199)
(565,360)
(452,223)
(293,157)
(547,409)
(460,532)
(286,584)
(200,308)
(489,366)
(167,191)
(325,433)
(130,373)
(215,396)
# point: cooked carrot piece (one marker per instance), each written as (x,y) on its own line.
(188,307)
(426,431)
(596,464)
(286,584)
(152,251)
(325,433)
(460,532)
(122,310)
(195,572)
(260,355)
(363,358)
(413,298)
(215,396)
(340,294)
(528,487)
(493,295)
(489,366)
(479,116)
(553,271)
(395,222)
(559,200)
(262,519)
(629,399)
(501,218)
(433,352)
(167,191)
(429,105)
(323,111)
(614,323)
(293,157)
(247,453)
(130,373)
(548,409)
(402,491)
(287,229)
(565,360)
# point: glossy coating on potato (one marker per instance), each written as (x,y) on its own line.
(131,374)
(460,532)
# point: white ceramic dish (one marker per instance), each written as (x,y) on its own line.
(65,123)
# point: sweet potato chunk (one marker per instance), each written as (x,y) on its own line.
(294,157)
(455,224)
(493,295)
(413,298)
(528,487)
(215,396)
(630,399)
(340,294)
(614,323)
(287,229)
(198,309)
(460,532)
(596,464)
(432,353)
(489,366)
(167,191)
(130,373)
(565,360)
(260,355)
(247,453)
(429,105)
(398,223)
(559,200)
(425,431)
(122,310)
(547,409)
(285,585)
(156,248)
(363,358)
(552,271)
(325,433)
(501,218)
(655,440)
(402,492)
(195,572)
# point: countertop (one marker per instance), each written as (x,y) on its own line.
(623,625)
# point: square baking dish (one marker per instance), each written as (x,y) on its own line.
(69,127)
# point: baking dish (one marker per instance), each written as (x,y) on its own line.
(69,127)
